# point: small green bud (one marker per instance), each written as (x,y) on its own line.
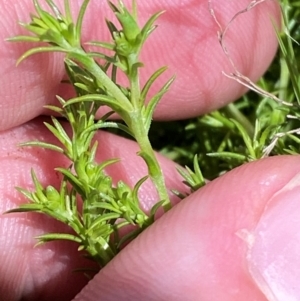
(52,194)
(80,167)
(129,25)
(140,219)
(123,47)
(90,169)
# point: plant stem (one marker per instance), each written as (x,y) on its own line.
(102,78)
(149,157)
(133,117)
(140,132)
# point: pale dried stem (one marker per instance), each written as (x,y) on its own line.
(236,75)
(268,149)
(244,80)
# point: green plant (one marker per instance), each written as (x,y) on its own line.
(106,207)
(245,131)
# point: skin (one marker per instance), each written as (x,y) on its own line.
(232,240)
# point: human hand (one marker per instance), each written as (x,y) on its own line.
(193,252)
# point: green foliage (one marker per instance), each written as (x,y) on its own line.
(193,179)
(258,125)
(106,208)
(255,126)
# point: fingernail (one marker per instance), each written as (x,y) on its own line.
(274,252)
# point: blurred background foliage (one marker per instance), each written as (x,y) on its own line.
(254,126)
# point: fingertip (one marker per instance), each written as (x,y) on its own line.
(199,249)
(273,255)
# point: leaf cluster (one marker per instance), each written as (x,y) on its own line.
(88,200)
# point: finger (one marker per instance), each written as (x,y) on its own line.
(186,41)
(46,272)
(235,239)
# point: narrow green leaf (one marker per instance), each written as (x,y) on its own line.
(101,56)
(154,101)
(106,206)
(106,116)
(134,10)
(148,27)
(191,175)
(56,10)
(150,81)
(37,30)
(136,190)
(108,162)
(215,121)
(197,168)
(102,99)
(294,138)
(36,21)
(228,156)
(55,132)
(55,109)
(288,54)
(246,138)
(257,129)
(113,7)
(84,87)
(103,218)
(23,39)
(93,151)
(109,124)
(40,50)
(180,195)
(155,208)
(70,203)
(78,27)
(101,44)
(61,100)
(129,237)
(51,22)
(27,208)
(112,29)
(267,134)
(26,193)
(38,8)
(200,181)
(114,71)
(72,179)
(47,18)
(39,193)
(36,182)
(186,176)
(291,151)
(56,236)
(68,13)
(43,145)
(130,27)
(62,136)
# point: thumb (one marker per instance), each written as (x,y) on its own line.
(235,239)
